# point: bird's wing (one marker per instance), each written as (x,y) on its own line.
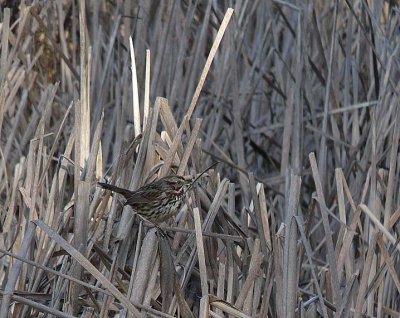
(146,195)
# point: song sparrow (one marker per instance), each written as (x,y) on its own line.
(159,200)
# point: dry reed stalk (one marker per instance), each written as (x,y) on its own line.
(200,252)
(135,94)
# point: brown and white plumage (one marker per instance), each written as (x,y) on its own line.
(156,201)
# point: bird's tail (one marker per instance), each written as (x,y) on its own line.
(125,192)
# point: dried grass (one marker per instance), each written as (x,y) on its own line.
(299,103)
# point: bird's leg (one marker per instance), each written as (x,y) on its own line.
(162,232)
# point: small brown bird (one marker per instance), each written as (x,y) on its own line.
(156,201)
(159,200)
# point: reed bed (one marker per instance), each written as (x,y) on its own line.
(297,101)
